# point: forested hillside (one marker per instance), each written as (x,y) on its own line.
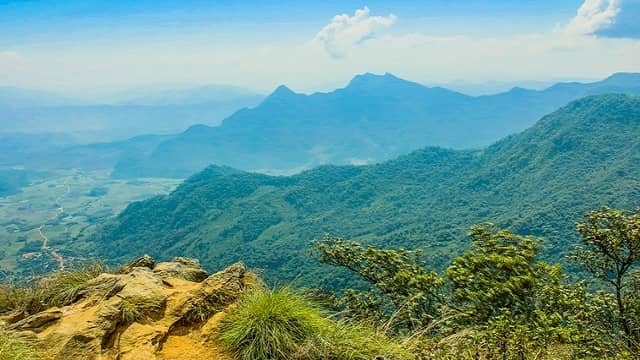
(373,118)
(538,182)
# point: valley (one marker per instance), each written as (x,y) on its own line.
(42,221)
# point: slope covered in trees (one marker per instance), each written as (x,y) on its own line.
(537,182)
(374,118)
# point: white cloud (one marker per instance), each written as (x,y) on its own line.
(592,16)
(422,57)
(344,31)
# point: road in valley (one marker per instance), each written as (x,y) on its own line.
(45,240)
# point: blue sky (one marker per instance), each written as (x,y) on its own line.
(78,46)
(37,23)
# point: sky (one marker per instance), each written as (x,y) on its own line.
(93,46)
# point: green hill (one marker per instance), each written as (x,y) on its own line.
(537,182)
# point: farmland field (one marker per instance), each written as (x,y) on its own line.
(40,223)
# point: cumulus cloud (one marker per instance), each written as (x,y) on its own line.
(594,16)
(626,24)
(344,31)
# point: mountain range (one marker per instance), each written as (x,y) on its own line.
(537,182)
(374,118)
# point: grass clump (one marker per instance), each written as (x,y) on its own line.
(56,289)
(202,308)
(12,348)
(129,311)
(64,287)
(353,341)
(270,324)
(284,325)
(134,309)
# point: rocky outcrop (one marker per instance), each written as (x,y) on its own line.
(146,311)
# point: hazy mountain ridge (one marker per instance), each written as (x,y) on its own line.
(374,118)
(536,182)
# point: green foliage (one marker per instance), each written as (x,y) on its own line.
(497,275)
(534,183)
(497,301)
(611,252)
(517,307)
(270,325)
(13,348)
(404,294)
(281,324)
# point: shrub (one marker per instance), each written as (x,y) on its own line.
(403,293)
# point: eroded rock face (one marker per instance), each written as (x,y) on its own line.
(144,312)
(182,268)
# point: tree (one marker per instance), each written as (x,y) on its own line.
(610,251)
(404,293)
(497,275)
(519,306)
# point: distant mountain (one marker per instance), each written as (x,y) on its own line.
(494,87)
(374,118)
(537,182)
(161,112)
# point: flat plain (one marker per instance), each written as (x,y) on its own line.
(40,223)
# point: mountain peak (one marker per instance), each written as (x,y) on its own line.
(282,92)
(368,79)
